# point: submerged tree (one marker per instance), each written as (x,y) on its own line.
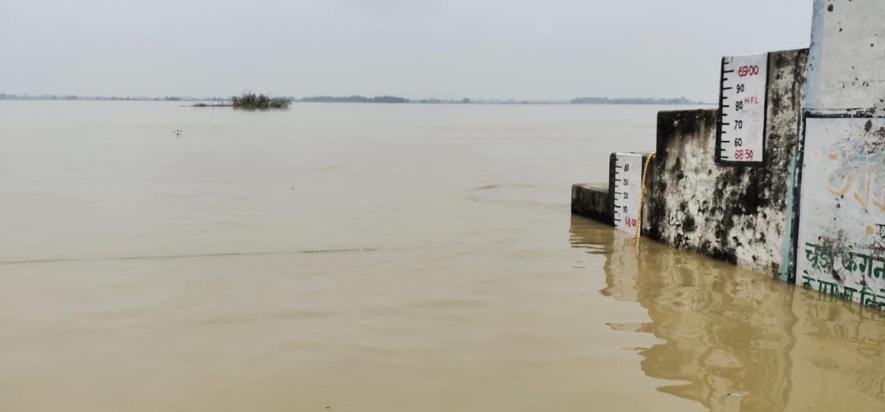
(260,101)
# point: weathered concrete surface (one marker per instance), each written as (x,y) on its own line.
(847,56)
(840,244)
(733,213)
(593,201)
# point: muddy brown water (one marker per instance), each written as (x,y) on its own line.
(377,258)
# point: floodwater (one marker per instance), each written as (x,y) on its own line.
(377,258)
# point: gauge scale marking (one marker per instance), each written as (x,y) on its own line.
(627,190)
(740,138)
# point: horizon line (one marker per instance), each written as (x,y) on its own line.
(357,98)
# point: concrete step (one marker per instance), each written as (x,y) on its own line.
(592,200)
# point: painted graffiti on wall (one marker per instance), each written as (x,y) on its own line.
(628,189)
(841,246)
(741,134)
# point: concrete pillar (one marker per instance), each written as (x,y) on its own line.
(840,238)
(846,62)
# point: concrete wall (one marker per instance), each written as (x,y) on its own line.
(840,243)
(733,213)
(592,200)
(847,56)
(814,211)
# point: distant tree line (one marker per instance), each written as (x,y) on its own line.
(253,101)
(354,99)
(578,100)
(632,100)
(5,96)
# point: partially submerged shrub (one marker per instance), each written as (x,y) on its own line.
(260,101)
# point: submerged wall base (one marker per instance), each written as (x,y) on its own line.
(593,201)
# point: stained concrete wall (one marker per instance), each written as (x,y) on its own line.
(733,213)
(814,211)
(592,200)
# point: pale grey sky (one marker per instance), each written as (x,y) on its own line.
(551,49)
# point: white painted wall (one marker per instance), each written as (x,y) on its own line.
(847,55)
(840,248)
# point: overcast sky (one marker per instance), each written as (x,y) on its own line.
(543,49)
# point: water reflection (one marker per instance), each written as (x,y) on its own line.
(739,340)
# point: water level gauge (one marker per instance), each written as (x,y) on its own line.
(626,175)
(742,109)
